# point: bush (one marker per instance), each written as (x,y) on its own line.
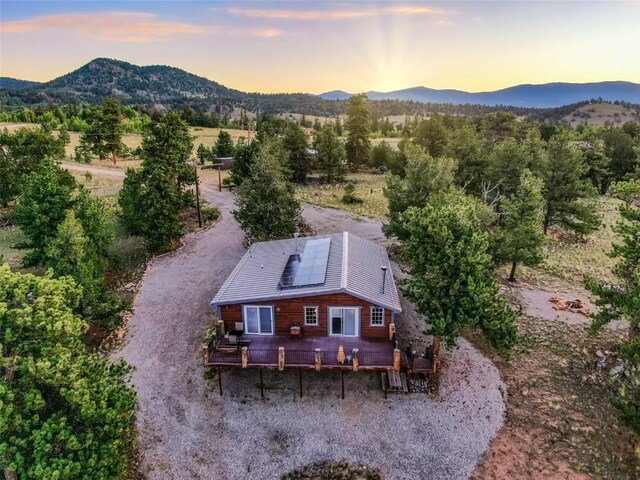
(349,197)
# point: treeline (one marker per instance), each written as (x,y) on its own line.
(68,412)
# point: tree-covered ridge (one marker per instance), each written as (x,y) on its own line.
(175,88)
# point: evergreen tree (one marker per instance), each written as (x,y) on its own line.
(224,145)
(358,125)
(243,158)
(466,147)
(331,155)
(152,198)
(452,283)
(65,413)
(621,301)
(619,148)
(104,136)
(266,207)
(382,155)
(338,126)
(598,169)
(204,154)
(295,144)
(424,176)
(432,136)
(46,195)
(21,153)
(520,239)
(72,253)
(569,197)
(506,164)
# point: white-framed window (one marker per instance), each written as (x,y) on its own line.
(377,317)
(311,316)
(343,321)
(258,319)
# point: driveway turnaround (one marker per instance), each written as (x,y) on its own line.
(188,431)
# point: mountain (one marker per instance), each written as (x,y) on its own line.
(175,89)
(16,83)
(104,77)
(548,95)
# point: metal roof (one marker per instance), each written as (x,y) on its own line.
(354,267)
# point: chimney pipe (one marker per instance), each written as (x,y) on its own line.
(384,276)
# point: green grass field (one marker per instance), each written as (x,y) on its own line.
(9,237)
(368,188)
(565,258)
(202,135)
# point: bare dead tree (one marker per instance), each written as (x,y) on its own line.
(491,196)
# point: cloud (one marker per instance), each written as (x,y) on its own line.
(125,27)
(338,14)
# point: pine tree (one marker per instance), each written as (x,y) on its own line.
(224,145)
(452,284)
(424,176)
(152,198)
(520,239)
(358,125)
(621,301)
(569,196)
(295,144)
(266,207)
(331,155)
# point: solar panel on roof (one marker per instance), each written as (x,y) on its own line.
(310,268)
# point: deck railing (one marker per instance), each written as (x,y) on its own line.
(257,357)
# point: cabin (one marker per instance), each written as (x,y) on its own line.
(321,302)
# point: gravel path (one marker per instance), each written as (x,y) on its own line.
(187,430)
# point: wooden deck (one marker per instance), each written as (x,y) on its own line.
(262,352)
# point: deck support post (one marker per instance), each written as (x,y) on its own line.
(205,354)
(220,379)
(300,378)
(221,328)
(356,359)
(261,384)
(396,359)
(280,358)
(318,359)
(342,375)
(244,352)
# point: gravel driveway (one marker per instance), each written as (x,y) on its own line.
(187,431)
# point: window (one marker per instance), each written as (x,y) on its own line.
(377,316)
(311,315)
(344,321)
(258,320)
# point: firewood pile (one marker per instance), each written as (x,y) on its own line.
(575,306)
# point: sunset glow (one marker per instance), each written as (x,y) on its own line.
(315,47)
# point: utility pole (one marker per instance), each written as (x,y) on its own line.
(195,169)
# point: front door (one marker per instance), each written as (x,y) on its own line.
(344,321)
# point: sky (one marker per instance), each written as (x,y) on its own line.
(314,46)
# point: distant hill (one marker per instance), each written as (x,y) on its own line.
(599,114)
(16,83)
(105,77)
(548,95)
(175,88)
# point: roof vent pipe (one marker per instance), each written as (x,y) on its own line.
(384,277)
(296,241)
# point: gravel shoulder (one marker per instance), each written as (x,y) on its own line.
(186,430)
